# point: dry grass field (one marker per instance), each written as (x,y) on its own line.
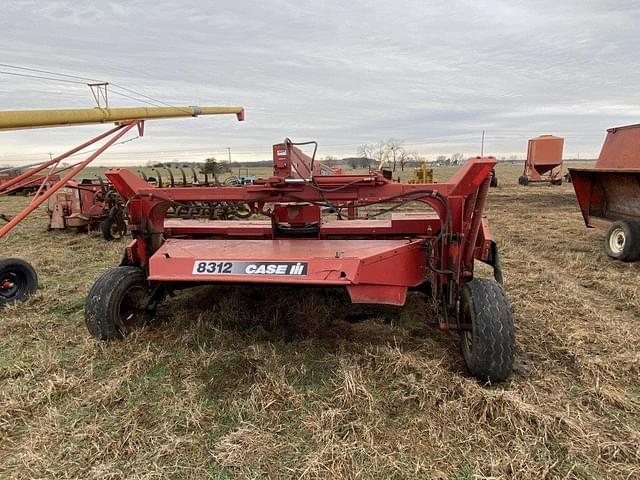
(283,383)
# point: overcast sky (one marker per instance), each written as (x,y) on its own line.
(433,74)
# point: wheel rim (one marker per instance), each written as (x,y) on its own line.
(467,338)
(617,240)
(12,284)
(115,230)
(466,318)
(131,313)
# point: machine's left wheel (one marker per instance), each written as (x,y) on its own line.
(488,344)
(118,303)
(18,280)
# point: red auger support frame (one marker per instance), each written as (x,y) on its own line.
(376,260)
(609,193)
(544,160)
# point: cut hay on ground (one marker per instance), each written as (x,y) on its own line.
(285,383)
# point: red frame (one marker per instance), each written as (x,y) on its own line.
(376,260)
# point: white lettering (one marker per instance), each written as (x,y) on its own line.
(250,269)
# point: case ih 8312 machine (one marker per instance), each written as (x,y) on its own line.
(377,260)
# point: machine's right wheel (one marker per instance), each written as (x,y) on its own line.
(18,280)
(488,344)
(118,303)
(622,241)
(523,180)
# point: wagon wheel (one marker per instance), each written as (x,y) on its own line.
(18,280)
(113,228)
(488,339)
(118,303)
(622,241)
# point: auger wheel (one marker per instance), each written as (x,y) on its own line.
(18,280)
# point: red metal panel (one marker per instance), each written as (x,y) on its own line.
(395,263)
(607,194)
(423,223)
(621,148)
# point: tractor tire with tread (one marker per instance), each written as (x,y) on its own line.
(118,303)
(488,347)
(622,241)
(18,280)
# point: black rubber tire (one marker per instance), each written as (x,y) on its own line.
(494,180)
(622,241)
(523,180)
(488,348)
(18,280)
(117,303)
(107,230)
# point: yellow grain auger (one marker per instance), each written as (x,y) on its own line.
(18,279)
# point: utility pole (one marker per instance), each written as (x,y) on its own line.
(229,151)
(482,145)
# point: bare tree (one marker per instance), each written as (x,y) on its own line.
(380,153)
(366,151)
(457,158)
(394,148)
(330,160)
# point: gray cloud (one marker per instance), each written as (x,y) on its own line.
(432,73)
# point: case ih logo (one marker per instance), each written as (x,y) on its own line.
(221,267)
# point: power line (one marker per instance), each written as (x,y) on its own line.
(145,96)
(16,74)
(37,70)
(66,75)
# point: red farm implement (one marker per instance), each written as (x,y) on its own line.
(376,260)
(18,279)
(544,161)
(27,186)
(609,193)
(88,205)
